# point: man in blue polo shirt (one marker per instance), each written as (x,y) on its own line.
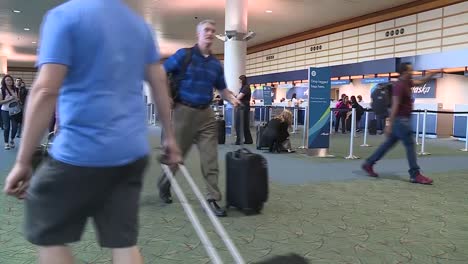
(194,120)
(94,64)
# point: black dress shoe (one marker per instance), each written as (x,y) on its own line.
(218,211)
(166,197)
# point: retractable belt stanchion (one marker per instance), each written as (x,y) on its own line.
(423,146)
(466,136)
(261,114)
(417,129)
(270,113)
(294,120)
(148,114)
(366,129)
(331,122)
(353,128)
(153,115)
(304,131)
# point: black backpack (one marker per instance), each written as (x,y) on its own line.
(382,99)
(174,79)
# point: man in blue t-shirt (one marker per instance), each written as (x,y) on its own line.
(193,117)
(94,64)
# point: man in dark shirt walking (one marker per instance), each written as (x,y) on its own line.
(244,96)
(400,125)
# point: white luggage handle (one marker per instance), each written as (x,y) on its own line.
(210,249)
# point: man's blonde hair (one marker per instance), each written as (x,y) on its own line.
(204,22)
(286,116)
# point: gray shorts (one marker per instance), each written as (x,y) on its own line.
(62,197)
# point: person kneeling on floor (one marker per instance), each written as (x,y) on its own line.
(276,134)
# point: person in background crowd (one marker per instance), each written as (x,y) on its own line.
(276,134)
(218,100)
(9,95)
(294,100)
(98,159)
(23,93)
(340,116)
(359,112)
(244,97)
(53,125)
(193,117)
(399,127)
(359,98)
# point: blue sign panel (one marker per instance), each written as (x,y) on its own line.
(319,107)
(340,82)
(427,90)
(267,100)
(375,80)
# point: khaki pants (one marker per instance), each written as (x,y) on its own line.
(197,126)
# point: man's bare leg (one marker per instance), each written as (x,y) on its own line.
(127,256)
(55,255)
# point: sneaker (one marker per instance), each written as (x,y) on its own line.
(369,169)
(421,179)
(7,146)
(12,144)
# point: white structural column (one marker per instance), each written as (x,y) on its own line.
(3,65)
(235,46)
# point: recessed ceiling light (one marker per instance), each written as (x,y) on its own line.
(27,29)
(34,42)
(269,11)
(16,11)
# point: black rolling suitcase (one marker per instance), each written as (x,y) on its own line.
(259,142)
(246,179)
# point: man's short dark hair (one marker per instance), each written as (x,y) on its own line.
(243,78)
(403,67)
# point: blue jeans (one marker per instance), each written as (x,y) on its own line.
(401,131)
(6,125)
(381,122)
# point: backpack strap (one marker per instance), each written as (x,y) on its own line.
(177,77)
(186,62)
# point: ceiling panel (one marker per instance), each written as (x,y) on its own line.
(175,20)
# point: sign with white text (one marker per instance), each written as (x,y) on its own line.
(319,108)
(375,80)
(427,90)
(340,82)
(267,98)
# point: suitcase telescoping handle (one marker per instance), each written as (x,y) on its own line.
(210,249)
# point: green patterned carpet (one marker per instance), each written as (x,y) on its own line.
(359,220)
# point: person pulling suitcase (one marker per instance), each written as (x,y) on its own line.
(193,118)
